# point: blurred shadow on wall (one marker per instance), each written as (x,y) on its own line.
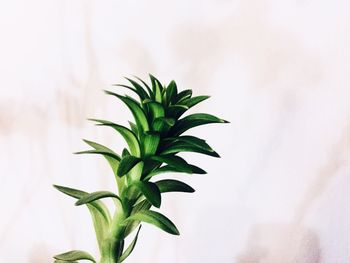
(276,243)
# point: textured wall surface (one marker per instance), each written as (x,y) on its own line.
(278,70)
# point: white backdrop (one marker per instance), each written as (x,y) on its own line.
(278,70)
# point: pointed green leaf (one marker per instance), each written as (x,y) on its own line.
(156,219)
(126,164)
(136,110)
(157,88)
(170,185)
(174,161)
(171,93)
(141,92)
(185,94)
(181,146)
(190,102)
(132,89)
(194,120)
(127,134)
(104,153)
(133,127)
(75,255)
(125,152)
(150,141)
(150,191)
(96,196)
(108,154)
(151,95)
(192,169)
(130,248)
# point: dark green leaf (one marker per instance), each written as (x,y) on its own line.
(156,219)
(190,102)
(130,248)
(181,146)
(96,196)
(75,255)
(157,88)
(171,93)
(175,161)
(183,95)
(125,152)
(142,93)
(147,87)
(194,120)
(126,164)
(104,153)
(156,109)
(150,191)
(127,134)
(170,185)
(175,111)
(136,110)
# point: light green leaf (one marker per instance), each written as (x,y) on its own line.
(190,102)
(130,248)
(150,141)
(136,110)
(128,135)
(181,146)
(126,164)
(169,185)
(156,109)
(194,120)
(106,154)
(96,196)
(150,191)
(192,169)
(75,255)
(156,219)
(99,212)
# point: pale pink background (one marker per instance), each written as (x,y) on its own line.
(278,70)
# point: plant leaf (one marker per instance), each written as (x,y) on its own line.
(150,142)
(74,255)
(96,196)
(171,93)
(139,115)
(163,124)
(155,218)
(141,92)
(99,213)
(169,185)
(150,191)
(194,120)
(190,102)
(130,248)
(147,87)
(185,94)
(179,146)
(175,111)
(156,109)
(157,88)
(174,161)
(105,153)
(126,164)
(127,134)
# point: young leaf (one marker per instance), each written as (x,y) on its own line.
(136,110)
(194,120)
(126,164)
(156,109)
(130,248)
(150,143)
(156,219)
(75,255)
(169,185)
(150,191)
(128,135)
(96,196)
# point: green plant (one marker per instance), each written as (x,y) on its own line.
(154,141)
